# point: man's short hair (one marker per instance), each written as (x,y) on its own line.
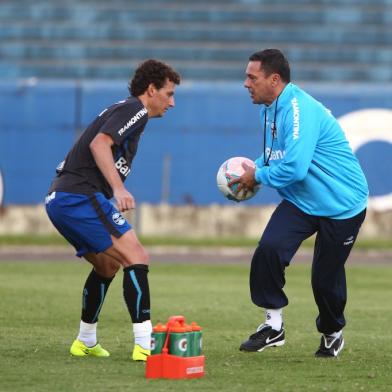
(273,61)
(151,71)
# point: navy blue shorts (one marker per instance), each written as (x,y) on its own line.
(86,222)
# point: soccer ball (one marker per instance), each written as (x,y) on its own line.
(228,171)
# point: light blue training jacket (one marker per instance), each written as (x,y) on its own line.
(311,163)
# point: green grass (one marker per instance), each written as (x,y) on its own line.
(40,309)
(56,239)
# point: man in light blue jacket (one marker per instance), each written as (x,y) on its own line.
(308,160)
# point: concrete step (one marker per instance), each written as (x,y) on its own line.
(73,50)
(190,70)
(237,12)
(238,32)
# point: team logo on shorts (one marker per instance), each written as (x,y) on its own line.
(118,219)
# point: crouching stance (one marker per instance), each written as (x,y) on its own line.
(307,158)
(79,205)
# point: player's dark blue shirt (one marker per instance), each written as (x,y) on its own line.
(124,122)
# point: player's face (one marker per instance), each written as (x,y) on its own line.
(259,85)
(163,99)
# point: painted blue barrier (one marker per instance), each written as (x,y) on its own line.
(179,154)
(37,123)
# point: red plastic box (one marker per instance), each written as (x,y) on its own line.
(171,366)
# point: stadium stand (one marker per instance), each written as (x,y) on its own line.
(335,40)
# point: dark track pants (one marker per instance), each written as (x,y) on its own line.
(285,231)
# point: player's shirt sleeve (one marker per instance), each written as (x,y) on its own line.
(125,120)
(301,130)
(259,162)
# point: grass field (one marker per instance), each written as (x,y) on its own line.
(40,309)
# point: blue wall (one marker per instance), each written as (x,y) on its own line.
(39,121)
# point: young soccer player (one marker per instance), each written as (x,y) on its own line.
(79,205)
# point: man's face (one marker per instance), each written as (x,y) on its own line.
(259,85)
(163,99)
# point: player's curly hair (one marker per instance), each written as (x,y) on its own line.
(151,71)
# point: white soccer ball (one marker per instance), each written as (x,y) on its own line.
(228,171)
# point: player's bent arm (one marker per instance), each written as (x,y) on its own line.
(101,149)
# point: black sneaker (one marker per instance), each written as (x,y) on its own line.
(330,346)
(264,337)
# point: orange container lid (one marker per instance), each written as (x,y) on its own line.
(179,318)
(188,328)
(173,320)
(195,327)
(177,327)
(160,328)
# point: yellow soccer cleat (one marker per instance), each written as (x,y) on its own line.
(140,353)
(79,349)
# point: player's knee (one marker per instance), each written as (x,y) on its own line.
(139,256)
(145,257)
(321,286)
(270,255)
(269,247)
(113,268)
(108,269)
